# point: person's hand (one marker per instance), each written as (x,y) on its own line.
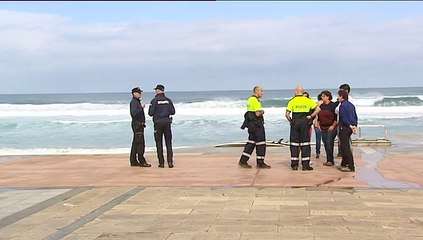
(354,129)
(143,105)
(331,128)
(259,113)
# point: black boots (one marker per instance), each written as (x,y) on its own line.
(244,164)
(261,164)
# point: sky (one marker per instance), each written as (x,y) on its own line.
(73,47)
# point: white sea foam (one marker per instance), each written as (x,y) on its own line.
(93,122)
(50,110)
(114,113)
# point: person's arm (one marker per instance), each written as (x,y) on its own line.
(333,126)
(152,108)
(288,116)
(313,105)
(345,117)
(172,108)
(259,113)
(317,122)
(257,107)
(314,114)
(354,117)
(135,109)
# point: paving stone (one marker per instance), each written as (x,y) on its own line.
(271,236)
(204,236)
(207,213)
(82,236)
(243,228)
(134,236)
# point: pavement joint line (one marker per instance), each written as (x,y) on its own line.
(63,232)
(255,177)
(40,206)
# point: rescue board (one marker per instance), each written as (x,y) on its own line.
(279,143)
(354,142)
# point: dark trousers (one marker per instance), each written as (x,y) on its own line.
(257,140)
(138,144)
(347,156)
(160,130)
(300,142)
(329,142)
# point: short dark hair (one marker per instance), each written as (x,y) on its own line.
(326,93)
(345,87)
(343,94)
(306,93)
(319,97)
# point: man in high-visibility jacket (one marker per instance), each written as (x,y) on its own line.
(298,113)
(254,121)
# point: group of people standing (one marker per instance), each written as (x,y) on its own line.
(161,109)
(330,119)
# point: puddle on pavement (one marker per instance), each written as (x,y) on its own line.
(373,177)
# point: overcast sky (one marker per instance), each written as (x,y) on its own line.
(111,46)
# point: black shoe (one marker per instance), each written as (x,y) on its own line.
(294,168)
(307,168)
(340,167)
(135,165)
(317,155)
(161,165)
(170,165)
(263,165)
(145,164)
(244,165)
(346,169)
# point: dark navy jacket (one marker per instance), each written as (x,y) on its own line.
(161,107)
(137,112)
(347,114)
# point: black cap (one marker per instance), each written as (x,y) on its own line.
(137,89)
(160,87)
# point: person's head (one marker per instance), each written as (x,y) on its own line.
(136,92)
(326,96)
(258,91)
(319,97)
(299,90)
(345,87)
(342,95)
(159,89)
(306,94)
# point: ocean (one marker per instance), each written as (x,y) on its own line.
(99,123)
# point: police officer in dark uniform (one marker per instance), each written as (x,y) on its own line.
(138,124)
(254,121)
(161,109)
(298,114)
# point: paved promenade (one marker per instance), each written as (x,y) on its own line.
(206,196)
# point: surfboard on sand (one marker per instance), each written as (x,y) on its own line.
(279,143)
